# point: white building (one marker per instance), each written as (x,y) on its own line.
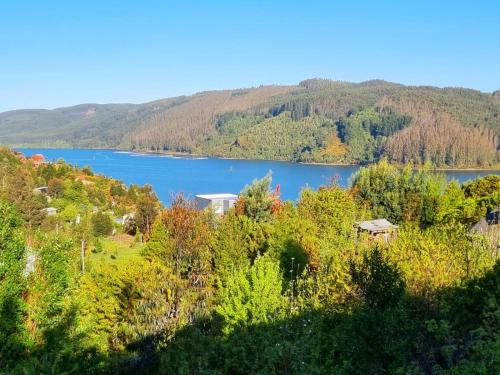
(219,203)
(50,211)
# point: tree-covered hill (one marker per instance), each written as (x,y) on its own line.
(317,120)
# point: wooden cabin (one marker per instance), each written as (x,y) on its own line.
(378,229)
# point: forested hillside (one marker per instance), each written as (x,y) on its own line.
(316,121)
(270,287)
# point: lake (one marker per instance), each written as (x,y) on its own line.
(170,175)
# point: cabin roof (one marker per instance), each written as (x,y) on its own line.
(491,218)
(374,226)
(217,196)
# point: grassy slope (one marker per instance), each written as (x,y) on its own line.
(115,251)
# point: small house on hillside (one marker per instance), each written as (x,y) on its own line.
(487,222)
(379,229)
(219,203)
(489,226)
(50,211)
(41,190)
(37,159)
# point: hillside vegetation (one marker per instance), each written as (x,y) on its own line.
(316,121)
(267,288)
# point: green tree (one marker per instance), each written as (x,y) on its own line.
(146,210)
(355,131)
(55,187)
(181,240)
(28,204)
(102,225)
(399,195)
(257,200)
(252,295)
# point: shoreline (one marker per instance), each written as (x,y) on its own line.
(197,155)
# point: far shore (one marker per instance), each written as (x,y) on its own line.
(495,168)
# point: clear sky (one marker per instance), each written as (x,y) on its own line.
(57,53)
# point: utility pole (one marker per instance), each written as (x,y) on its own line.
(83,256)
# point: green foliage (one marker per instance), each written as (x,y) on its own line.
(98,247)
(146,210)
(123,303)
(451,126)
(292,240)
(12,286)
(399,195)
(331,212)
(20,193)
(229,126)
(251,295)
(439,256)
(270,287)
(238,241)
(331,208)
(102,225)
(278,138)
(257,200)
(70,212)
(55,187)
(485,191)
(356,133)
(454,207)
(117,190)
(366,131)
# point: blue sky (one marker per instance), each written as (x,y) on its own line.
(58,53)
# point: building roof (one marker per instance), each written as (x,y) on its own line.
(374,226)
(217,196)
(491,218)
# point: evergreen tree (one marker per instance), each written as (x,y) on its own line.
(257,200)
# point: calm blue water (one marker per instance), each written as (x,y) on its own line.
(170,175)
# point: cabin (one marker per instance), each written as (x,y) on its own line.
(378,229)
(41,190)
(489,226)
(219,203)
(50,211)
(489,221)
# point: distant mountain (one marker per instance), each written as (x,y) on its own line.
(318,120)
